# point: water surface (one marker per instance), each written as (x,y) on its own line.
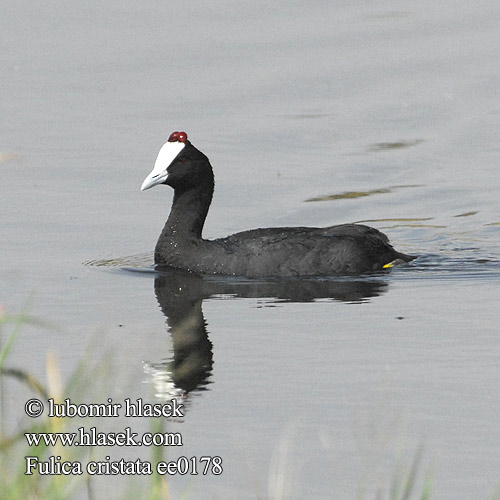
(378,113)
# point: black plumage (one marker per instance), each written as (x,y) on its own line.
(344,249)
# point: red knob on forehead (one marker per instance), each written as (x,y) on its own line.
(178,137)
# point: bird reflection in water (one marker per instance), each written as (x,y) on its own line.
(180,295)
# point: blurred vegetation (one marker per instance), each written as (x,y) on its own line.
(15,485)
(406,482)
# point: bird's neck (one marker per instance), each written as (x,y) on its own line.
(188,213)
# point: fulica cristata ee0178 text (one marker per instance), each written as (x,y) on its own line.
(279,251)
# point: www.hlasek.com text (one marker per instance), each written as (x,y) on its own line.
(91,437)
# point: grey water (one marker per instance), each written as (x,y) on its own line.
(311,114)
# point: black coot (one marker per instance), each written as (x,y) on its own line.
(278,251)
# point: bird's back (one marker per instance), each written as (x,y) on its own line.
(306,251)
